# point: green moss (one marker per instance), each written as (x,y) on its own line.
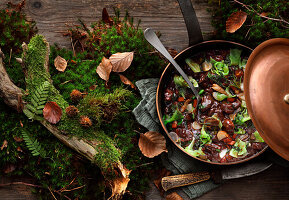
(34,62)
(107,156)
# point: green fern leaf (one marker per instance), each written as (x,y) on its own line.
(33,145)
(37,101)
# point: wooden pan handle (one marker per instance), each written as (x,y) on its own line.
(170,182)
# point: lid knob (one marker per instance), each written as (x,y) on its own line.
(286,98)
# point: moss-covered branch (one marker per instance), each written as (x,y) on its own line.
(99,149)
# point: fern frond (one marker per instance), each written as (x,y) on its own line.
(37,100)
(33,145)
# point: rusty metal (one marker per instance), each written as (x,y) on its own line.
(266,86)
(203,46)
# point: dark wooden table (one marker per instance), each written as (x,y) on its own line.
(54,16)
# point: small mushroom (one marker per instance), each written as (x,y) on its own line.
(219,89)
(221,135)
(241,96)
(196,125)
(206,66)
(174,136)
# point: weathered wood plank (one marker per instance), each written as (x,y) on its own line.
(54,16)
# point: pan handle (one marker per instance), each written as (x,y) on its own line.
(191,21)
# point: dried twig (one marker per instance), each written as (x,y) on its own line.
(67,185)
(74,188)
(51,193)
(62,195)
(250,8)
(10,56)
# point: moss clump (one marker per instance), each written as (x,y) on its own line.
(103,108)
(35,58)
(256,29)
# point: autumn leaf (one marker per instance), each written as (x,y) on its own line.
(118,187)
(4,145)
(161,173)
(52,112)
(119,184)
(19,149)
(17,7)
(174,196)
(152,144)
(126,81)
(18,139)
(104,69)
(60,63)
(264,14)
(172,51)
(235,21)
(121,61)
(8,168)
(106,18)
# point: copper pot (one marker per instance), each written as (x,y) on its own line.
(196,45)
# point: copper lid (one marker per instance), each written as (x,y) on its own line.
(266,87)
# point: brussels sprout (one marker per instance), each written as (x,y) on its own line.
(219,97)
(194,66)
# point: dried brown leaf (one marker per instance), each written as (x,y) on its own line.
(118,187)
(264,14)
(19,149)
(18,139)
(235,21)
(106,18)
(162,173)
(60,63)
(172,51)
(9,168)
(4,145)
(126,81)
(21,124)
(104,69)
(173,196)
(121,61)
(16,7)
(52,112)
(152,144)
(119,184)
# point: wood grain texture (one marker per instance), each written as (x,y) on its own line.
(53,17)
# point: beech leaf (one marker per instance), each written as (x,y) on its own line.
(121,61)
(235,21)
(152,144)
(4,145)
(126,81)
(52,112)
(106,18)
(18,139)
(8,168)
(104,69)
(60,63)
(119,184)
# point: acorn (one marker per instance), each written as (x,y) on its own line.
(85,121)
(71,111)
(76,96)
